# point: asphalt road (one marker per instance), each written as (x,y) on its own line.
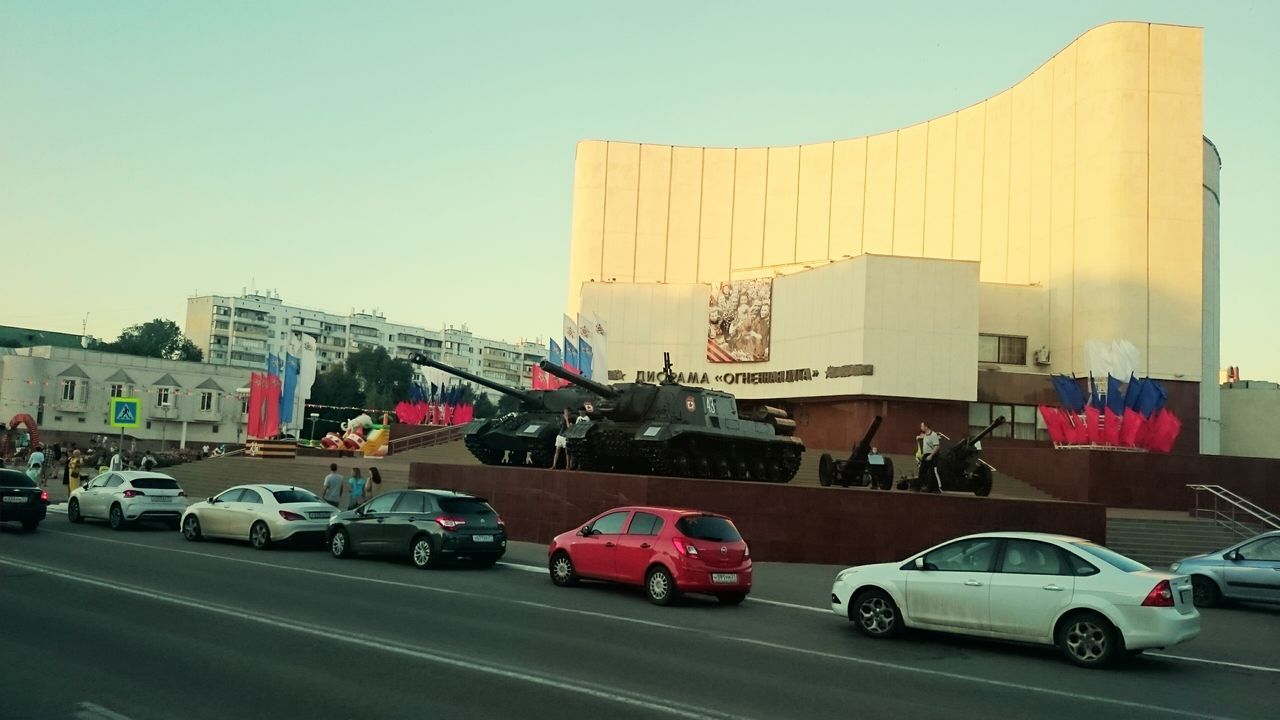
(141,624)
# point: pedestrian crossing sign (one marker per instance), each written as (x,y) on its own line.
(124,412)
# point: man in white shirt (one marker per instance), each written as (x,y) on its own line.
(117,462)
(35,465)
(930,443)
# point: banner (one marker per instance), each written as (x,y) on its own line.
(570,335)
(571,355)
(584,357)
(599,349)
(303,347)
(554,355)
(289,388)
(739,321)
(257,385)
(271,397)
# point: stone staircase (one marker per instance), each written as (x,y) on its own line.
(1159,538)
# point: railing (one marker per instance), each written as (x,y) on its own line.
(436,436)
(1229,510)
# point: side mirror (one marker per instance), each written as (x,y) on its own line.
(920,563)
(1234,556)
(210,500)
(585,531)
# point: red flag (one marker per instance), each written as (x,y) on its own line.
(1092,424)
(1053,423)
(271,395)
(1130,427)
(1164,431)
(254,421)
(1111,433)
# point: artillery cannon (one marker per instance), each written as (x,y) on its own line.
(524,437)
(678,430)
(863,468)
(960,466)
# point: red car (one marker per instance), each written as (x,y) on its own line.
(667,551)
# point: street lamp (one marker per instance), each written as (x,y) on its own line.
(315,417)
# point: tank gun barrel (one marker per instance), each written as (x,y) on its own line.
(420,359)
(603,391)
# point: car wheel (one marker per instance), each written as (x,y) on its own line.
(733,598)
(422,553)
(660,586)
(1088,640)
(876,614)
(1204,592)
(73,511)
(340,544)
(562,570)
(116,518)
(191,527)
(30,525)
(260,536)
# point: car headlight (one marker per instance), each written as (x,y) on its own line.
(1174,567)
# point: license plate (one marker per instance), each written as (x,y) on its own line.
(15,499)
(482,538)
(161,498)
(724,578)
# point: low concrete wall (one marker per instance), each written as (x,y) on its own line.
(1137,480)
(782,523)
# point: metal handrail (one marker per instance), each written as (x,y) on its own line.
(436,436)
(1226,505)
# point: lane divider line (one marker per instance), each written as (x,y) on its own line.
(1207,661)
(93,711)
(613,695)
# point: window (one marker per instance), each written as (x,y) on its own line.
(251,496)
(1266,549)
(1003,349)
(162,397)
(117,390)
(1022,422)
(1111,557)
(68,389)
(244,404)
(466,506)
(382,503)
(294,495)
(411,502)
(232,495)
(708,527)
(155,483)
(1028,557)
(643,523)
(974,555)
(206,401)
(13,478)
(610,524)
(114,481)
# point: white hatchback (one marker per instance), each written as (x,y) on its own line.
(1093,603)
(126,496)
(261,514)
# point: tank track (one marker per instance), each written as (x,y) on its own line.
(750,461)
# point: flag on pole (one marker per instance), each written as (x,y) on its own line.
(599,349)
(1114,411)
(584,357)
(289,388)
(570,355)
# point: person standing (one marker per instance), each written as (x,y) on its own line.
(375,482)
(355,486)
(332,487)
(562,441)
(149,461)
(929,446)
(35,466)
(117,462)
(73,471)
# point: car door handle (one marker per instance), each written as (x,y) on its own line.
(973,583)
(646,546)
(1054,588)
(379,521)
(608,544)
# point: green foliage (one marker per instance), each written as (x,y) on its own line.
(484,407)
(508,404)
(158,338)
(335,386)
(383,380)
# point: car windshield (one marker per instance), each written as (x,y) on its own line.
(1111,557)
(708,527)
(13,478)
(155,483)
(465,506)
(294,496)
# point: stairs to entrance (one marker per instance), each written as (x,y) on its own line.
(1157,538)
(1002,486)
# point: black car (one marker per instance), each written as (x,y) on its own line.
(429,526)
(21,500)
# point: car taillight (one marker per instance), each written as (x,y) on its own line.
(501,524)
(288,515)
(1160,596)
(44,495)
(450,523)
(685,548)
(133,493)
(182,493)
(746,551)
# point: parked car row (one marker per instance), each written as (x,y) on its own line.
(1092,603)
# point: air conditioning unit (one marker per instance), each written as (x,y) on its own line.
(1042,356)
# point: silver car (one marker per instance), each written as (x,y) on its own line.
(1249,570)
(261,514)
(122,497)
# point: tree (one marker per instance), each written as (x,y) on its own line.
(158,338)
(383,380)
(338,387)
(484,407)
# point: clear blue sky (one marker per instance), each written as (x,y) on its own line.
(418,157)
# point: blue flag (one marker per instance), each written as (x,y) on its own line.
(1151,399)
(292,366)
(1069,393)
(570,354)
(432,398)
(1132,392)
(584,358)
(1115,398)
(554,356)
(1095,399)
(273,364)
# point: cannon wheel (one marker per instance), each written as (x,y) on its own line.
(982,481)
(826,469)
(884,478)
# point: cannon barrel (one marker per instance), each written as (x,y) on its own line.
(863,448)
(420,359)
(971,441)
(603,391)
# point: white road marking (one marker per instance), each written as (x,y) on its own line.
(92,711)
(525,568)
(1224,663)
(389,646)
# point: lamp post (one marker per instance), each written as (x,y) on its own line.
(315,417)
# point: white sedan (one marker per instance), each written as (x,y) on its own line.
(261,514)
(1094,604)
(127,496)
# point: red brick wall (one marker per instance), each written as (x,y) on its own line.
(782,523)
(838,424)
(1138,480)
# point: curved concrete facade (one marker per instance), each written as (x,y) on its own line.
(1084,179)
